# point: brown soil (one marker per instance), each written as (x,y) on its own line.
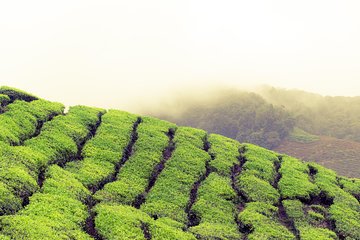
(341,155)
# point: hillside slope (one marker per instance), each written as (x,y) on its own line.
(338,154)
(96,174)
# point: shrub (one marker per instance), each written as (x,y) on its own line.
(19,157)
(351,185)
(312,233)
(17,94)
(294,210)
(8,201)
(56,213)
(167,229)
(47,217)
(225,152)
(90,171)
(134,176)
(23,119)
(260,162)
(261,219)
(119,222)
(256,189)
(4,100)
(104,151)
(125,222)
(190,136)
(304,224)
(345,210)
(295,182)
(19,181)
(59,138)
(170,194)
(61,182)
(20,165)
(215,209)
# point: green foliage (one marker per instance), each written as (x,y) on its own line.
(21,119)
(17,94)
(125,222)
(59,208)
(325,179)
(47,217)
(256,189)
(44,110)
(54,145)
(75,124)
(311,233)
(299,135)
(8,201)
(19,181)
(21,155)
(347,219)
(170,194)
(315,216)
(294,210)
(260,162)
(225,152)
(167,229)
(56,213)
(210,230)
(216,210)
(306,224)
(3,237)
(4,100)
(345,210)
(119,222)
(111,137)
(295,182)
(91,171)
(190,136)
(27,227)
(105,150)
(20,165)
(61,182)
(147,153)
(261,218)
(59,138)
(351,185)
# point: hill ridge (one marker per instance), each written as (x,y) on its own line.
(97,174)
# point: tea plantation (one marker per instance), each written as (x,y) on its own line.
(92,173)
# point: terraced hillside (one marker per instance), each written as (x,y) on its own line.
(96,174)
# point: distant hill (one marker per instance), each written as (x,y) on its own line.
(270,116)
(96,174)
(243,116)
(321,115)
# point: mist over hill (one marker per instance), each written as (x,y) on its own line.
(278,118)
(240,115)
(270,113)
(334,116)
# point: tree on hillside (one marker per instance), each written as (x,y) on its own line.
(246,117)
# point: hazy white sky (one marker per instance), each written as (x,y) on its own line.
(118,53)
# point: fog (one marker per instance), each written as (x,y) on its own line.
(137,55)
